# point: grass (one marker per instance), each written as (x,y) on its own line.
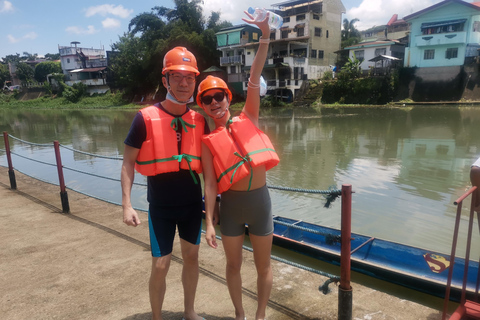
(104,101)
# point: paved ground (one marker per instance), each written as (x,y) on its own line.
(89,265)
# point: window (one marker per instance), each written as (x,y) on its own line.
(233,69)
(300,17)
(318,32)
(380,51)
(451,53)
(68,60)
(443,27)
(313,54)
(254,35)
(360,55)
(429,54)
(320,54)
(284,34)
(300,32)
(272,35)
(327,34)
(316,17)
(286,19)
(476,26)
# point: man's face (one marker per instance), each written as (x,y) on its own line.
(182,84)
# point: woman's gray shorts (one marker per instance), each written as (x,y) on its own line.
(253,208)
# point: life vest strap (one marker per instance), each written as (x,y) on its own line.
(175,121)
(237,165)
(188,157)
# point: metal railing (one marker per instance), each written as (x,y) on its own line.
(345,290)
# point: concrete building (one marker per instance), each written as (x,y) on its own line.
(85,65)
(444,48)
(303,48)
(444,35)
(395,29)
(378,56)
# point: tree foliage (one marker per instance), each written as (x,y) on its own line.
(4,74)
(350,34)
(137,60)
(45,68)
(24,72)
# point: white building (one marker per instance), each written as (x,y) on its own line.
(85,65)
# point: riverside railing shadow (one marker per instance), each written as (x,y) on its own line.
(345,290)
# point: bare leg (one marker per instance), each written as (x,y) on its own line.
(189,278)
(157,284)
(262,248)
(475,179)
(233,253)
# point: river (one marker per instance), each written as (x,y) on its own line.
(406,165)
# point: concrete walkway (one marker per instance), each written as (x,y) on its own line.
(89,265)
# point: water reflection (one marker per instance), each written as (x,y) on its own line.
(406,165)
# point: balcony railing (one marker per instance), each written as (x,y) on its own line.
(440,39)
(231,60)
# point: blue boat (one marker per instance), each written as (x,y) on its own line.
(419,269)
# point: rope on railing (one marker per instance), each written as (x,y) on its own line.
(34,160)
(100,176)
(91,154)
(331,194)
(31,143)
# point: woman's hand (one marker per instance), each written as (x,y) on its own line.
(263,25)
(210,237)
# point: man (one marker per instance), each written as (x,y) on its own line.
(164,144)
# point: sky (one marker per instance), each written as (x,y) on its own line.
(39,27)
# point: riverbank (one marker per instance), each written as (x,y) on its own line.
(114,101)
(89,265)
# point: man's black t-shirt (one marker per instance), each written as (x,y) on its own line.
(171,188)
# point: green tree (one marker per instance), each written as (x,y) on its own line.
(13,58)
(52,56)
(45,68)
(4,74)
(136,64)
(350,34)
(24,72)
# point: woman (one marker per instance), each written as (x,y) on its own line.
(239,155)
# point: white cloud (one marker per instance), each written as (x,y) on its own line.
(109,9)
(6,6)
(79,30)
(111,23)
(28,36)
(12,39)
(378,12)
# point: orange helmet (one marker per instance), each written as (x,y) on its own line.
(212,82)
(180,59)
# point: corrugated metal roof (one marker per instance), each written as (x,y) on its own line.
(89,69)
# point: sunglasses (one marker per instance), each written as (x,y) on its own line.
(219,96)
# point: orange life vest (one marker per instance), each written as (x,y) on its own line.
(159,151)
(237,149)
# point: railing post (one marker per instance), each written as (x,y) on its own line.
(11,172)
(63,192)
(345,290)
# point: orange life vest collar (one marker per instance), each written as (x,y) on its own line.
(159,151)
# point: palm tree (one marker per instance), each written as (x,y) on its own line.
(350,34)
